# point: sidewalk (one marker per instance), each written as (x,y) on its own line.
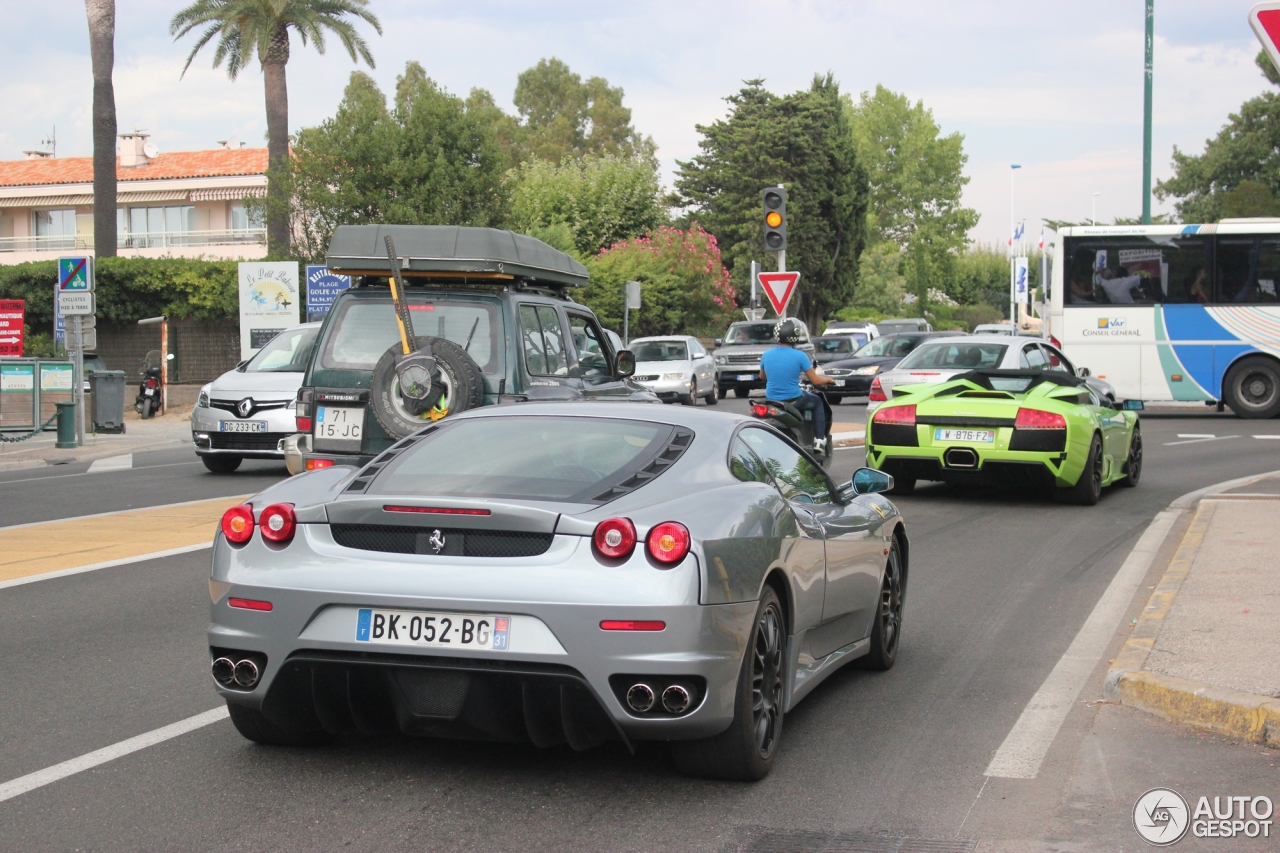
(1206,650)
(172,430)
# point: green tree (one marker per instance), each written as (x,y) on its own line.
(684,287)
(431,160)
(916,178)
(563,116)
(881,284)
(1236,166)
(804,142)
(601,199)
(244,28)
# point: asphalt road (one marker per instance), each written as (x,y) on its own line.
(1001,582)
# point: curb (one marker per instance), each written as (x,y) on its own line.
(1235,713)
(88,454)
(853,438)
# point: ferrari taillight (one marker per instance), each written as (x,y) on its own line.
(901,415)
(615,538)
(877,394)
(668,542)
(237,524)
(1038,419)
(278,523)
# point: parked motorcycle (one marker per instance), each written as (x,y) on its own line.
(794,423)
(150,390)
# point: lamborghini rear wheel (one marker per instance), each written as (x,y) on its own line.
(1133,464)
(1088,489)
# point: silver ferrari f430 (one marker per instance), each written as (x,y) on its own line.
(567,573)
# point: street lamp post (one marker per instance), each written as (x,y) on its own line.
(1013,227)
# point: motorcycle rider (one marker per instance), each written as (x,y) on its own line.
(781,369)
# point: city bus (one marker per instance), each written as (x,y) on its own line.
(1173,312)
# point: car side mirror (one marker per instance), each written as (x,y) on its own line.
(868,481)
(719,342)
(1132,406)
(1083,372)
(626,363)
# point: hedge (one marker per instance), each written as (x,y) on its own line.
(130,289)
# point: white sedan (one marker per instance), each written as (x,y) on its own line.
(939,359)
(676,368)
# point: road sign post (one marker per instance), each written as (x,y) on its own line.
(779,287)
(76,301)
(631,299)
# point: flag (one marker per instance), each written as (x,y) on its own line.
(1040,245)
(1017,232)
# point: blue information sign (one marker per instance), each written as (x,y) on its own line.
(59,322)
(323,287)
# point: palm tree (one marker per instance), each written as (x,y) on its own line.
(102,51)
(245,26)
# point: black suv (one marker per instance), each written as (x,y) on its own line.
(502,301)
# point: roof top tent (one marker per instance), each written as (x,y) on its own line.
(452,251)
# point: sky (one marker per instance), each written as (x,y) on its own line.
(1053,86)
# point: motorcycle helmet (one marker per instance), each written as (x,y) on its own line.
(787,332)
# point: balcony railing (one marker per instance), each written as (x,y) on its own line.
(147,240)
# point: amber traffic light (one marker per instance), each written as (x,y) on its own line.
(775,218)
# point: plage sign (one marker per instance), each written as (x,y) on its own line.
(268,302)
(323,287)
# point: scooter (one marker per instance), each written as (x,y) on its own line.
(796,424)
(150,390)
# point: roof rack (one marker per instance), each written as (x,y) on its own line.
(453,252)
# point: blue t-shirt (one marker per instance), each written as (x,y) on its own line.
(782,368)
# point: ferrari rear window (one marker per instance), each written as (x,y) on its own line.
(568,459)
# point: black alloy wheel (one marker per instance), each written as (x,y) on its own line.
(1133,463)
(745,751)
(766,680)
(1252,388)
(887,630)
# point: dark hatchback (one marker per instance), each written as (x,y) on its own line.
(503,298)
(855,374)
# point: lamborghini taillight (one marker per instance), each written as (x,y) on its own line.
(1037,419)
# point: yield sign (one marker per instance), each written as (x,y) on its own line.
(779,286)
(1265,20)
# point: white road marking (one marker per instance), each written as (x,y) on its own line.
(111,463)
(1196,435)
(106,564)
(1200,440)
(49,775)
(1267,436)
(1025,746)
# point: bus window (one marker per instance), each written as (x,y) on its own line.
(1248,269)
(1132,270)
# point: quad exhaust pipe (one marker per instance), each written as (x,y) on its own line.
(961,457)
(243,673)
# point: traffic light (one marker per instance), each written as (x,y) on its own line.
(775,218)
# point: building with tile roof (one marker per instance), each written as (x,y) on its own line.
(185,203)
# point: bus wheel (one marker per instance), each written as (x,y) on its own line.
(1252,388)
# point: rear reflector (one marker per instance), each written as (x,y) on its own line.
(249,604)
(1038,419)
(317,464)
(905,415)
(626,625)
(437,510)
(304,424)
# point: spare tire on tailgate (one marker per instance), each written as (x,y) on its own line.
(463,387)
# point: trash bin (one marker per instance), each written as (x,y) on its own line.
(106,410)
